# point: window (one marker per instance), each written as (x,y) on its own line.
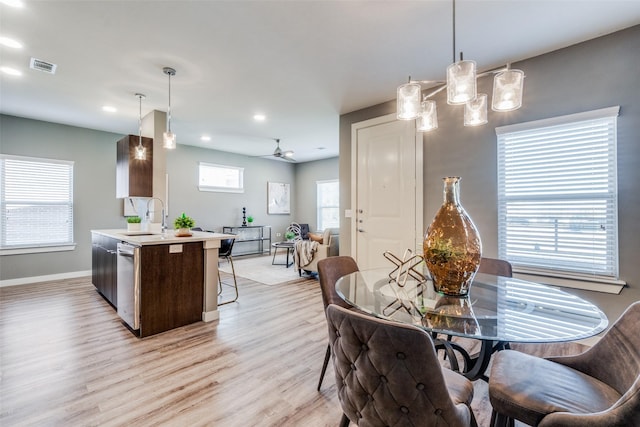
(220,178)
(557,196)
(37,205)
(328,201)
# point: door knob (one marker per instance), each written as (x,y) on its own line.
(360,230)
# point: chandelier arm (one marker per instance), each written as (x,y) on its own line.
(440,89)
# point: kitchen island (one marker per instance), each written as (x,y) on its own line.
(158,281)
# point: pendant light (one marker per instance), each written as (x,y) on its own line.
(140,151)
(168,137)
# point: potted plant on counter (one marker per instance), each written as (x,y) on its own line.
(183,225)
(133,223)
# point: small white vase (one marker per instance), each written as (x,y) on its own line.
(133,226)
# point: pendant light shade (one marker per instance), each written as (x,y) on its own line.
(428,118)
(508,86)
(461,82)
(408,101)
(140,150)
(168,137)
(475,111)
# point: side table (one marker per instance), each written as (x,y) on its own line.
(288,247)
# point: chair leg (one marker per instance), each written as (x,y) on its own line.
(500,420)
(235,283)
(344,422)
(327,355)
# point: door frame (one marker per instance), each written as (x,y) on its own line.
(418,181)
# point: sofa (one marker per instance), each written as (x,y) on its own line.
(330,246)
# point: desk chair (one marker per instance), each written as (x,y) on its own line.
(388,374)
(329,271)
(226,246)
(600,387)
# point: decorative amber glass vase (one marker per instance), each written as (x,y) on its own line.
(452,246)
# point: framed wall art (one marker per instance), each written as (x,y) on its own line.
(278,198)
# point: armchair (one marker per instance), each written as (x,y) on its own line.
(329,247)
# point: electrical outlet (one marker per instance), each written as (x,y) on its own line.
(278,234)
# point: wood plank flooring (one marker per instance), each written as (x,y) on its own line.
(67,360)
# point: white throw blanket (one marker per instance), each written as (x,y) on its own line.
(303,253)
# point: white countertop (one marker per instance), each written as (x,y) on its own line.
(142,238)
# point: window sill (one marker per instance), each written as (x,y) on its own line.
(611,286)
(39,249)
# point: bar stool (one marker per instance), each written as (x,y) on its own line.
(226,246)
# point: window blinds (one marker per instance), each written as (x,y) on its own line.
(557,194)
(37,202)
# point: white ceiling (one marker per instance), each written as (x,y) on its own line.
(302,63)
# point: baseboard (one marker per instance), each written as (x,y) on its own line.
(47,278)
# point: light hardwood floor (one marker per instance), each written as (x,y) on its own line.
(67,360)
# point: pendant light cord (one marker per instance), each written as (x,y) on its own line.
(169,108)
(454,30)
(140,122)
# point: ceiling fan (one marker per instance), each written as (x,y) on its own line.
(280,154)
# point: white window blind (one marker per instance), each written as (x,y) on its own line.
(557,195)
(37,202)
(229,179)
(328,204)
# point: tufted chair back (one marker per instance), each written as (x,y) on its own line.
(388,374)
(497,267)
(329,271)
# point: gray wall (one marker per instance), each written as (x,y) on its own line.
(306,195)
(94,191)
(599,73)
(95,204)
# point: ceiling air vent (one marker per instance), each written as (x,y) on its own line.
(40,65)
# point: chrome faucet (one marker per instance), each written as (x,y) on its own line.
(164,224)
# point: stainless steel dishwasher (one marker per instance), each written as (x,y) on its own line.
(129,284)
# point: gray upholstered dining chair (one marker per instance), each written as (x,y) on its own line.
(329,271)
(600,387)
(388,374)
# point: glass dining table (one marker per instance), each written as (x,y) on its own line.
(497,311)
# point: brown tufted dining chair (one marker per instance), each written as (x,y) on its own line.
(600,387)
(329,271)
(497,267)
(388,374)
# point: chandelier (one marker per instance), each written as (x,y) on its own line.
(461,86)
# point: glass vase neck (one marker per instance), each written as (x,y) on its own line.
(452,189)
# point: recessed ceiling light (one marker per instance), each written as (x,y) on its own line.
(205,138)
(13,3)
(11,71)
(109,109)
(259,117)
(6,41)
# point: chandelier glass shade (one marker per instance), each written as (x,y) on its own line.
(508,86)
(409,101)
(461,82)
(428,118)
(475,111)
(140,150)
(168,137)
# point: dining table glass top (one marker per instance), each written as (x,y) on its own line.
(496,308)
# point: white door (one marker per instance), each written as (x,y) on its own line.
(386,192)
